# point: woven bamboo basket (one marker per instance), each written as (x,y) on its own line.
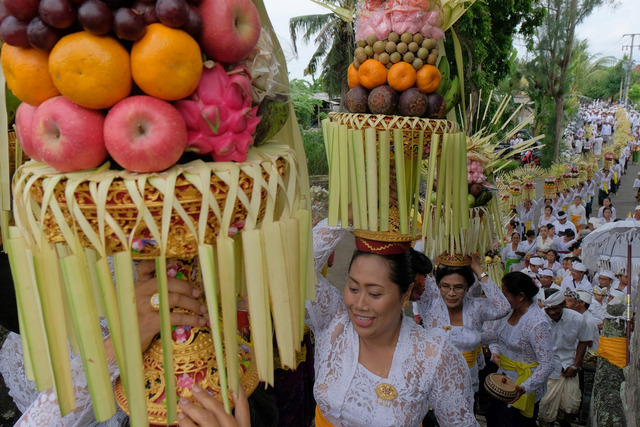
(117,213)
(411,128)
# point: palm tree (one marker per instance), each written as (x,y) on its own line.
(586,68)
(335,40)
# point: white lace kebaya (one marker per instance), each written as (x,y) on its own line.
(475,311)
(426,370)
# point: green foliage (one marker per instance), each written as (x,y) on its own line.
(486,33)
(12,106)
(634,93)
(511,165)
(334,39)
(303,104)
(313,141)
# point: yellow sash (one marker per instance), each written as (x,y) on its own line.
(604,187)
(575,219)
(528,225)
(614,350)
(526,402)
(321,421)
(615,177)
(472,356)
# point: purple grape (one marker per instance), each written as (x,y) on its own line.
(24,10)
(41,36)
(57,13)
(172,13)
(116,4)
(129,24)
(14,32)
(194,22)
(95,17)
(3,11)
(147,10)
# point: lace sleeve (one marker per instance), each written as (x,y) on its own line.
(429,296)
(329,302)
(540,338)
(489,332)
(45,412)
(452,395)
(495,306)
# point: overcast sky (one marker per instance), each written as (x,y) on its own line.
(604,29)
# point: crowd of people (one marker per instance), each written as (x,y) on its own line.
(375,366)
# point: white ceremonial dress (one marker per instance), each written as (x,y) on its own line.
(529,341)
(543,221)
(427,371)
(475,311)
(572,285)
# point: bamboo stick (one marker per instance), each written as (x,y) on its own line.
(372,177)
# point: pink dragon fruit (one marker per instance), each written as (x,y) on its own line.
(219,116)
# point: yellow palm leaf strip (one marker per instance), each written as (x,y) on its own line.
(426,214)
(333,147)
(370,135)
(134,371)
(28,301)
(47,274)
(361,178)
(353,183)
(384,172)
(92,351)
(343,149)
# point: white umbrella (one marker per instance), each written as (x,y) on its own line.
(615,243)
(609,244)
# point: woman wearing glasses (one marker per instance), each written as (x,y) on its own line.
(446,304)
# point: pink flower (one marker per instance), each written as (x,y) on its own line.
(172,270)
(185,381)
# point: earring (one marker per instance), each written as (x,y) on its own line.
(405,304)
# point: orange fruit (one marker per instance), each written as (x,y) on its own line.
(27,73)
(372,74)
(92,71)
(428,78)
(401,76)
(166,63)
(352,77)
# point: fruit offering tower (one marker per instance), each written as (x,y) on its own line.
(157,130)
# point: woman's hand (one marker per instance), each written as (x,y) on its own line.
(182,294)
(519,392)
(212,413)
(476,264)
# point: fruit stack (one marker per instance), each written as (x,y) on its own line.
(125,79)
(146,84)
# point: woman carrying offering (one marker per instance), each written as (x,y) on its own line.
(544,243)
(526,354)
(512,254)
(447,305)
(374,366)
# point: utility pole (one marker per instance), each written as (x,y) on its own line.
(628,74)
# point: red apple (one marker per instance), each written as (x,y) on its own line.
(230,29)
(67,136)
(145,134)
(24,116)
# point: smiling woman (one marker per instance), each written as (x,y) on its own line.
(374,366)
(447,305)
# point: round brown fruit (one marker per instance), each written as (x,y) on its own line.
(417,63)
(413,103)
(437,107)
(383,100)
(378,47)
(384,58)
(360,55)
(361,43)
(356,64)
(390,47)
(432,58)
(417,38)
(395,57)
(394,37)
(369,51)
(475,189)
(371,39)
(406,38)
(429,43)
(357,99)
(408,57)
(413,47)
(402,48)
(423,53)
